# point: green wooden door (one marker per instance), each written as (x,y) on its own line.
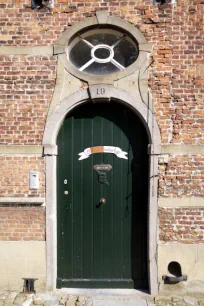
(102,245)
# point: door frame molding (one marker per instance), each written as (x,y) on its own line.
(52,127)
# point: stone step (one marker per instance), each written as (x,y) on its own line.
(117,302)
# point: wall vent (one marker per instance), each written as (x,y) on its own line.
(28,286)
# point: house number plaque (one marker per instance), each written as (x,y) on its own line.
(101,91)
(102,173)
(102,167)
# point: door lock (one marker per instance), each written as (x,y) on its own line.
(102,201)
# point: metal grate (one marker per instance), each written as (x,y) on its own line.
(28,285)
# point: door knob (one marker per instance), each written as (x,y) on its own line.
(102,201)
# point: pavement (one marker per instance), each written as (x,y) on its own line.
(61,298)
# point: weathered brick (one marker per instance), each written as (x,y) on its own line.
(175,80)
(182,230)
(14,180)
(24,224)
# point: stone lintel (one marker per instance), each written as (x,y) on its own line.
(21,149)
(182,149)
(27,50)
(181,202)
(59,49)
(147,47)
(154,149)
(17,200)
(50,150)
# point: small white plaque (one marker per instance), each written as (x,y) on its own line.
(34,180)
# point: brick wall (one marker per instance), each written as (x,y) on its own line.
(175,79)
(182,176)
(26,87)
(178,72)
(176,33)
(14,180)
(184,225)
(22,223)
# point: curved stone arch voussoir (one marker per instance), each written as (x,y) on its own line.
(56,119)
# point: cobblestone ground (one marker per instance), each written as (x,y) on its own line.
(178,301)
(22,299)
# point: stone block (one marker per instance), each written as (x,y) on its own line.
(20,298)
(181,202)
(9,301)
(36,265)
(4,265)
(38,301)
(162,299)
(101,17)
(51,303)
(200,253)
(119,303)
(28,249)
(199,270)
(5,250)
(176,299)
(81,301)
(71,300)
(70,85)
(4,282)
(190,300)
(193,288)
(184,254)
(16,266)
(63,300)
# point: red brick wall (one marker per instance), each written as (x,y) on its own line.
(178,72)
(176,33)
(14,179)
(27,84)
(182,176)
(176,82)
(22,223)
(184,225)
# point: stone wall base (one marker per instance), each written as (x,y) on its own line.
(20,259)
(191,259)
(190,288)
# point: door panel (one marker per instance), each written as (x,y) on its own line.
(102,246)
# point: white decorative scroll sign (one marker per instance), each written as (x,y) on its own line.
(103,149)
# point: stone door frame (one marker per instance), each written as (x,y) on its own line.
(53,125)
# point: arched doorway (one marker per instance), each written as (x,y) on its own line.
(102,198)
(54,122)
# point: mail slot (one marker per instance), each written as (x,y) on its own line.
(102,167)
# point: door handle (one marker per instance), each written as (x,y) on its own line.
(102,201)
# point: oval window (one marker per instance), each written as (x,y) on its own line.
(102,51)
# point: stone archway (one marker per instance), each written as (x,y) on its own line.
(50,151)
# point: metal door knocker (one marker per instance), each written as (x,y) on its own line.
(102,173)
